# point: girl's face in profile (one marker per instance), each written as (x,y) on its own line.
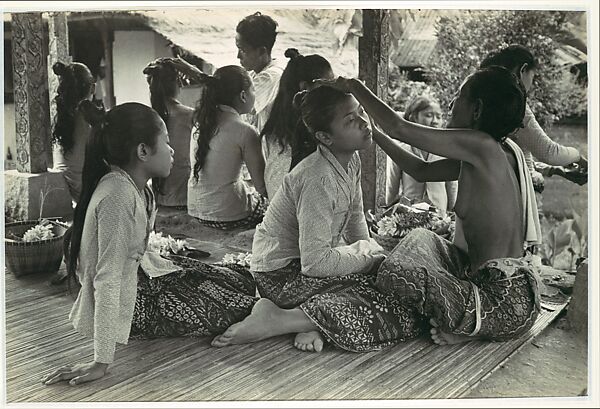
(161,161)
(462,109)
(350,129)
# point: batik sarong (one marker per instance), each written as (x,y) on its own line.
(259,206)
(499,301)
(348,310)
(202,299)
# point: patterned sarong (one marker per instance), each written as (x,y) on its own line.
(259,206)
(202,299)
(499,301)
(348,310)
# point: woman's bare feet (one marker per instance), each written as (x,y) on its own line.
(309,341)
(443,338)
(265,321)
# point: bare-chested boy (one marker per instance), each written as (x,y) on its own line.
(478,286)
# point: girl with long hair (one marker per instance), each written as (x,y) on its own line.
(71,132)
(163,80)
(221,142)
(106,249)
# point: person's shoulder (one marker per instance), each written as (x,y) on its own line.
(114,187)
(312,170)
(529,117)
(182,109)
(246,130)
(182,113)
(272,72)
(277,66)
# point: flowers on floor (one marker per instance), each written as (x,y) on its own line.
(157,243)
(242,259)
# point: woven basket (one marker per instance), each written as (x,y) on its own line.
(34,257)
(388,243)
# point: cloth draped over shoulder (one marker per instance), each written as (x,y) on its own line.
(530,219)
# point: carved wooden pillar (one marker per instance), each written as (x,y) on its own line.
(30,75)
(373,70)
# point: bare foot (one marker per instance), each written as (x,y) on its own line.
(263,322)
(443,338)
(309,341)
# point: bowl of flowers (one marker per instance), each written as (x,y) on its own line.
(392,225)
(34,246)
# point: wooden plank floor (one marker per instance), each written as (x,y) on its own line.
(39,337)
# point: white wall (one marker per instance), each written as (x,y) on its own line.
(132,50)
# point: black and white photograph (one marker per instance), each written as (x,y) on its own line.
(299,204)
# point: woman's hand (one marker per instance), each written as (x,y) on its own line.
(186,68)
(340,83)
(77,374)
(582,163)
(574,174)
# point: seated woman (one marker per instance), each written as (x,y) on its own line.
(71,132)
(162,78)
(480,285)
(425,111)
(311,283)
(221,141)
(279,133)
(106,246)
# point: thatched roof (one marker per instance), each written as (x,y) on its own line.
(210,34)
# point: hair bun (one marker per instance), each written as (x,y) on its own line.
(209,80)
(59,68)
(299,98)
(93,114)
(291,53)
(149,69)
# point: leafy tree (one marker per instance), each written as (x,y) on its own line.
(464,39)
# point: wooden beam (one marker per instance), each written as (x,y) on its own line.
(373,70)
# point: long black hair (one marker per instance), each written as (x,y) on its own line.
(164,81)
(115,136)
(220,89)
(281,126)
(318,108)
(512,57)
(503,98)
(75,83)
